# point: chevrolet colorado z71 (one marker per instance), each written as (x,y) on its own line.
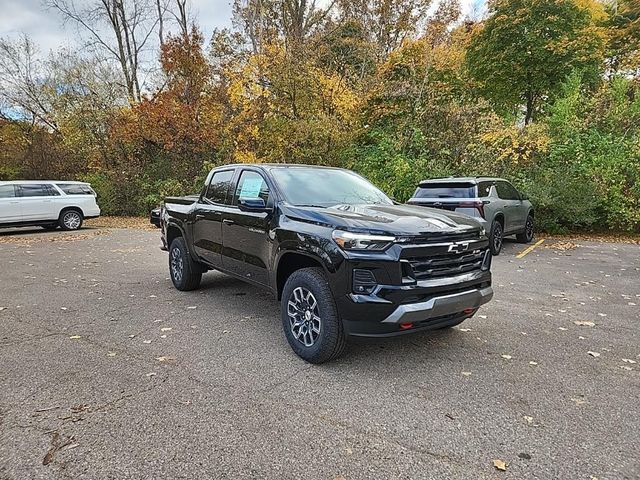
(343,258)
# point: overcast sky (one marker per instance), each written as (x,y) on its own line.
(49,33)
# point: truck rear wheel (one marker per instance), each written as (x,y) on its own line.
(310,318)
(185,273)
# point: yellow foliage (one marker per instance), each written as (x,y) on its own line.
(517,146)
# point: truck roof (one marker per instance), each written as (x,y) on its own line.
(277,165)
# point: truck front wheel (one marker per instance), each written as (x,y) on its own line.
(185,273)
(310,318)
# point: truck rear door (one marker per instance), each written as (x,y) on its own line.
(207,223)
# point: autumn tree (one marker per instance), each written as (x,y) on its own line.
(388,23)
(25,83)
(290,21)
(526,49)
(624,36)
(118,30)
(170,135)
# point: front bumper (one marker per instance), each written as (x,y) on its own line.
(400,303)
(441,306)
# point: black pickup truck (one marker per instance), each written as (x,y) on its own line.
(342,257)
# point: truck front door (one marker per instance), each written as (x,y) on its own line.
(247,245)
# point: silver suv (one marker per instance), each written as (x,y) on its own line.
(494,202)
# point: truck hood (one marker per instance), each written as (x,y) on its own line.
(396,220)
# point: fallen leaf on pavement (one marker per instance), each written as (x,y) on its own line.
(626,367)
(594,354)
(192,308)
(466,374)
(628,360)
(582,323)
(146,341)
(151,374)
(165,329)
(75,337)
(165,359)
(602,314)
(111,354)
(500,465)
(533,363)
(464,329)
(506,357)
(528,419)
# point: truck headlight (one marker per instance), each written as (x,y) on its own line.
(361,241)
(483,232)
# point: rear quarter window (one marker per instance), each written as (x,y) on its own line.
(75,189)
(446,190)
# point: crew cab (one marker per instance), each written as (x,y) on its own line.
(46,203)
(343,258)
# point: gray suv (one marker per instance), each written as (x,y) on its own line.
(494,202)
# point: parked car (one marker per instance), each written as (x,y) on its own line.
(49,204)
(341,257)
(492,201)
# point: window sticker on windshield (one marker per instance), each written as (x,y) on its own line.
(251,188)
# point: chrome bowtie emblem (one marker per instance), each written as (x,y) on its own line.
(459,247)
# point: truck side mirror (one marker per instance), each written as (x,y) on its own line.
(252,205)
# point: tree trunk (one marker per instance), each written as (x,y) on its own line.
(530,106)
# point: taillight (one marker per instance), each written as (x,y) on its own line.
(479,206)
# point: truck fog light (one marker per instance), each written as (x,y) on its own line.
(364,282)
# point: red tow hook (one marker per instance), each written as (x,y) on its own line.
(406,326)
(468,311)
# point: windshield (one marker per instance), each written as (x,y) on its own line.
(326,187)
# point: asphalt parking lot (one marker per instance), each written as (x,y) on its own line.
(107,372)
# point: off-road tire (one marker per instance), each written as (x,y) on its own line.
(331,339)
(185,272)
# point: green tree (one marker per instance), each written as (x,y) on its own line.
(527,48)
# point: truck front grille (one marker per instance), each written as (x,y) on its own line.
(446,265)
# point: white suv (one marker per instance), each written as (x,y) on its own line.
(46,203)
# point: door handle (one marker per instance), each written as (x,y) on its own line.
(199,216)
(228,221)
